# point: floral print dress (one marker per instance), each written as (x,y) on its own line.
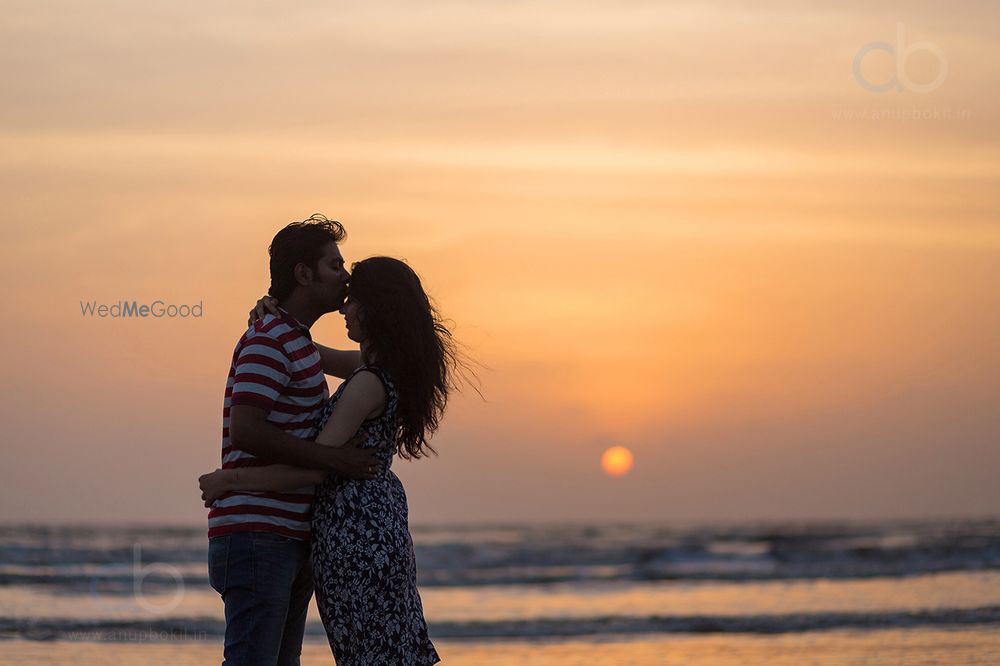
(362,556)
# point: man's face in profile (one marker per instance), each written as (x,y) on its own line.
(330,278)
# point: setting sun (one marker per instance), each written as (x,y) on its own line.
(617,461)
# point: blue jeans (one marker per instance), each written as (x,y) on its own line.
(266,583)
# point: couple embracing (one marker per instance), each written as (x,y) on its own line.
(305,500)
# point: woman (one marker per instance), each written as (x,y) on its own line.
(362,553)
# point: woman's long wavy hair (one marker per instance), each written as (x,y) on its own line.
(407,337)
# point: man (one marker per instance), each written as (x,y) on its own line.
(259,542)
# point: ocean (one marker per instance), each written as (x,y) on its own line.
(917,592)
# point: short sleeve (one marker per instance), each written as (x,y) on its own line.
(260,372)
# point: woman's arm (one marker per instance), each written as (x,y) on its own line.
(363,398)
(337,362)
(267,477)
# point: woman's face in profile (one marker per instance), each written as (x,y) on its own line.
(351,313)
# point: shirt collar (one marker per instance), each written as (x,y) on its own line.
(287,317)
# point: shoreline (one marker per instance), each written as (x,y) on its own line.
(964,646)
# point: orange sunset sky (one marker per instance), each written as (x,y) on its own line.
(681,227)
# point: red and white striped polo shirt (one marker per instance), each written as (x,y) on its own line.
(275,367)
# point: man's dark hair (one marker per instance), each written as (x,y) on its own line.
(300,243)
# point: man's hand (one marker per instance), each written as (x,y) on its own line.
(353,462)
(265,305)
